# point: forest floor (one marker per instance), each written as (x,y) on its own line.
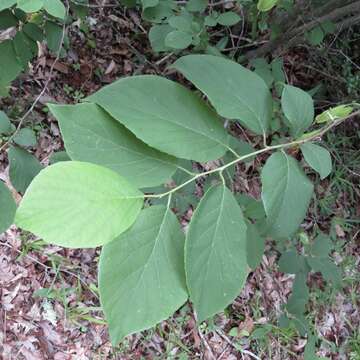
(50,303)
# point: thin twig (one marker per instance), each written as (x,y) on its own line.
(93,6)
(315,135)
(206,344)
(49,267)
(242,351)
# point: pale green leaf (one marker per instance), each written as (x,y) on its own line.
(23,168)
(90,134)
(234,91)
(334,113)
(178,39)
(55,8)
(77,204)
(5,4)
(228,18)
(165,115)
(141,273)
(266,5)
(25,137)
(318,158)
(298,107)
(286,194)
(215,252)
(30,6)
(7,208)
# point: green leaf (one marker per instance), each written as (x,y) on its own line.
(58,156)
(266,5)
(252,208)
(291,262)
(23,168)
(228,18)
(328,269)
(91,135)
(25,137)
(255,246)
(7,208)
(178,39)
(234,91)
(55,8)
(334,113)
(5,124)
(165,115)
(33,31)
(263,69)
(215,252)
(157,35)
(156,14)
(300,295)
(322,246)
(210,20)
(141,274)
(286,194)
(315,36)
(53,34)
(182,22)
(310,349)
(298,107)
(5,4)
(30,6)
(10,67)
(76,204)
(22,48)
(318,158)
(7,19)
(196,5)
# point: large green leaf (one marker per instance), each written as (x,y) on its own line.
(318,158)
(30,6)
(286,194)
(298,107)
(77,204)
(5,4)
(23,168)
(215,252)
(7,208)
(165,115)
(90,134)
(234,91)
(141,273)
